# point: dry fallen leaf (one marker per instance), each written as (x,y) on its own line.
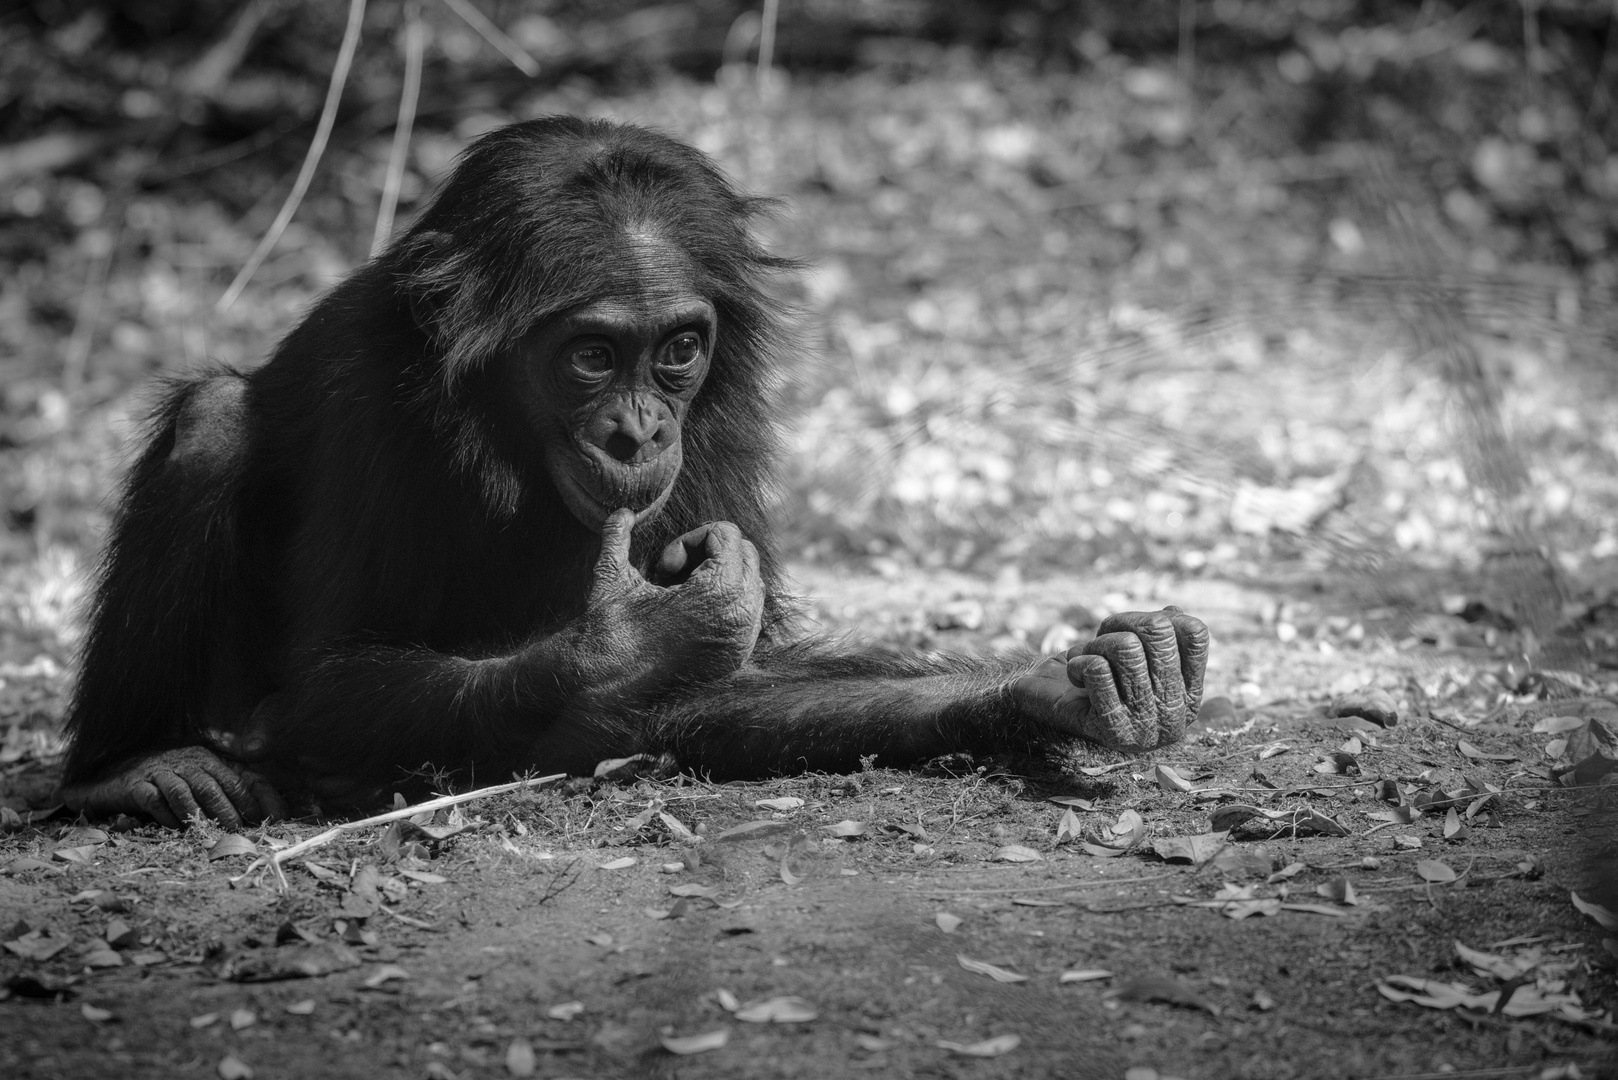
(1169,780)
(1072,800)
(1000,1044)
(1475,754)
(385,974)
(423,877)
(750,828)
(520,1058)
(1158,988)
(232,1067)
(619,864)
(1607,919)
(727,1000)
(845,828)
(205,1020)
(696,1044)
(1556,725)
(243,1018)
(692,888)
(778,1010)
(567,1010)
(94,1013)
(1526,1000)
(1018,853)
(232,844)
(784,803)
(1194,849)
(1084,975)
(1339,889)
(1068,828)
(305,1007)
(1435,871)
(947,922)
(998,974)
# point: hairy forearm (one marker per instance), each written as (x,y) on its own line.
(760,722)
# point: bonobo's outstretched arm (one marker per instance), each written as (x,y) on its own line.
(1134,687)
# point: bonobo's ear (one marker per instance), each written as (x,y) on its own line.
(428,253)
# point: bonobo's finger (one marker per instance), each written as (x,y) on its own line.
(268,798)
(1156,632)
(682,555)
(1193,645)
(612,567)
(1107,721)
(177,793)
(230,785)
(145,796)
(210,796)
(1127,655)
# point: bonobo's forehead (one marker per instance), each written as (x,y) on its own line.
(650,278)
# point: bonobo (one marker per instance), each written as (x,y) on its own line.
(498,504)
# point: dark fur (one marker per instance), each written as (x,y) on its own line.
(353,538)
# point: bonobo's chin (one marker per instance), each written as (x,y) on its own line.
(593,510)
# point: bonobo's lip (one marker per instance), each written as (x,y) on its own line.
(594,513)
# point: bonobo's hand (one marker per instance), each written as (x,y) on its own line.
(703,616)
(1132,688)
(171,785)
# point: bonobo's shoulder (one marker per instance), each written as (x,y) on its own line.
(210,423)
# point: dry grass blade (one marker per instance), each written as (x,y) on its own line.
(415,45)
(317,147)
(443,802)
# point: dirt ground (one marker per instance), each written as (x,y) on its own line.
(526,946)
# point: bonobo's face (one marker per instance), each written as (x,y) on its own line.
(607,386)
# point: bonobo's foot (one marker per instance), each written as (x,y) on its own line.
(1132,688)
(171,785)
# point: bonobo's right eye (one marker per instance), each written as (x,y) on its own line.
(592,362)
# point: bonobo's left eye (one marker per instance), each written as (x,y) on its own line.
(680,359)
(683,351)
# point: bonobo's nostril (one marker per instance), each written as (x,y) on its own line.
(623,446)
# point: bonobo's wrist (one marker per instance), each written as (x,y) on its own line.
(989,717)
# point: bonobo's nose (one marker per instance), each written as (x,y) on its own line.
(631,429)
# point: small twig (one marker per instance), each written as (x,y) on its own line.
(407,920)
(766,43)
(496,37)
(275,859)
(415,43)
(77,356)
(317,147)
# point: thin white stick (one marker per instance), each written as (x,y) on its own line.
(766,42)
(496,37)
(415,43)
(317,147)
(275,859)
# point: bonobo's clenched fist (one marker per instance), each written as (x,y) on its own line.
(700,615)
(1134,687)
(171,785)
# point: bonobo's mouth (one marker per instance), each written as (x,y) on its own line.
(592,507)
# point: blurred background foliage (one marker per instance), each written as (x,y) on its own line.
(1255,288)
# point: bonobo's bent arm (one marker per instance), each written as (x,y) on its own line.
(562,701)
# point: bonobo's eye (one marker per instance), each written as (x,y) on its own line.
(680,359)
(592,362)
